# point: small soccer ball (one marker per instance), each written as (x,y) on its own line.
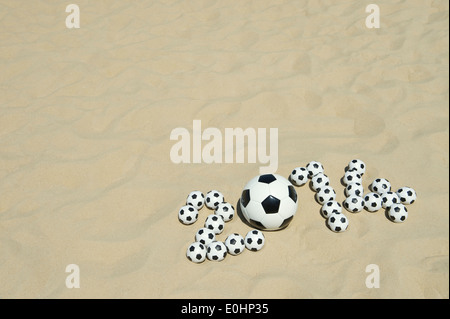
(225,210)
(213,198)
(196,199)
(351,176)
(354,188)
(216,251)
(358,165)
(325,194)
(380,186)
(196,252)
(354,204)
(299,176)
(337,222)
(331,207)
(188,214)
(372,202)
(254,240)
(397,213)
(215,223)
(235,244)
(205,236)
(269,202)
(388,199)
(319,181)
(407,195)
(314,168)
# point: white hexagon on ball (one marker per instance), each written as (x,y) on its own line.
(269,202)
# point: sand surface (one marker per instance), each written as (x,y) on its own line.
(86,114)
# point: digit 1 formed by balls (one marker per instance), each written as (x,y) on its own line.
(397,213)
(235,244)
(196,252)
(299,176)
(188,214)
(407,195)
(337,222)
(216,251)
(196,199)
(254,240)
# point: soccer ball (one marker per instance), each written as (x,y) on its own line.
(354,204)
(351,176)
(337,222)
(299,176)
(388,199)
(196,199)
(269,202)
(314,168)
(254,240)
(372,202)
(225,210)
(330,207)
(235,244)
(397,213)
(196,252)
(216,251)
(407,195)
(358,165)
(325,194)
(188,214)
(318,181)
(205,236)
(215,223)
(380,186)
(354,189)
(213,198)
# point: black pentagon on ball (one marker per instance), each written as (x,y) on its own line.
(292,193)
(267,178)
(271,204)
(245,197)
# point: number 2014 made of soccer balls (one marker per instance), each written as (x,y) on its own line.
(269,202)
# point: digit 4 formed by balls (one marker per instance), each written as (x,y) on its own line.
(254,240)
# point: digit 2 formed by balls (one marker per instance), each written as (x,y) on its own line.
(269,202)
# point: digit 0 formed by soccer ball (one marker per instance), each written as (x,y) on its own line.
(269,202)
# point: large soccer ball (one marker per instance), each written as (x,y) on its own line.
(269,202)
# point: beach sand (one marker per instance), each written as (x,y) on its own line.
(86,114)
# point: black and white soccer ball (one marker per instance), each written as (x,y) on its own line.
(319,181)
(372,202)
(331,207)
(215,223)
(269,202)
(337,222)
(213,198)
(388,199)
(225,210)
(216,251)
(314,168)
(235,244)
(188,214)
(407,195)
(205,236)
(196,199)
(354,204)
(254,240)
(299,176)
(380,186)
(325,194)
(354,188)
(351,176)
(357,165)
(397,213)
(196,252)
